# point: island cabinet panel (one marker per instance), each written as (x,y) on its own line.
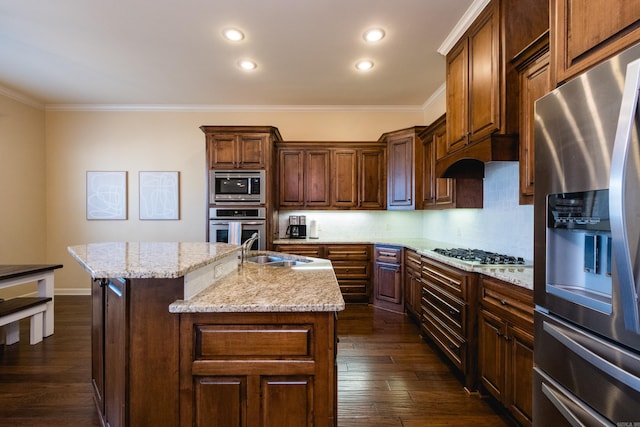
(449,315)
(285,376)
(351,264)
(133,340)
(505,347)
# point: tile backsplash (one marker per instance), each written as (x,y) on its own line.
(501,226)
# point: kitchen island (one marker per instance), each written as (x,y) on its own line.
(182,334)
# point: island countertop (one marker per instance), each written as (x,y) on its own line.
(143,260)
(222,285)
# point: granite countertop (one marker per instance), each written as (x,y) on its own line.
(258,288)
(247,287)
(140,260)
(517,275)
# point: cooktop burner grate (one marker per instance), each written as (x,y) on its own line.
(480,256)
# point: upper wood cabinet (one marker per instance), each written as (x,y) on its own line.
(303,177)
(482,84)
(240,147)
(404,153)
(584,33)
(535,81)
(437,193)
(324,175)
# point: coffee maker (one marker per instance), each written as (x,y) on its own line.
(297,228)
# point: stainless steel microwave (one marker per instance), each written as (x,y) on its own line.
(237,187)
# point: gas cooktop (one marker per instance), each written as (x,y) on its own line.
(479,256)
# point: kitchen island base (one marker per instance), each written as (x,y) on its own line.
(250,369)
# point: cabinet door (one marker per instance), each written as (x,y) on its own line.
(345,178)
(291,177)
(387,283)
(400,179)
(372,179)
(220,401)
(317,178)
(535,81)
(519,375)
(252,151)
(286,401)
(443,186)
(491,348)
(116,353)
(457,97)
(584,33)
(484,76)
(222,150)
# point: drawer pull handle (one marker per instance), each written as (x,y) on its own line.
(503,302)
(499,333)
(507,339)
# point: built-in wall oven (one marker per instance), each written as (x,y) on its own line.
(587,249)
(249,220)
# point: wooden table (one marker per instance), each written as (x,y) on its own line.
(18,274)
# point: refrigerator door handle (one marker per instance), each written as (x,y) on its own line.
(620,162)
(567,413)
(592,358)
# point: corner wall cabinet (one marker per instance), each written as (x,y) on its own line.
(505,345)
(437,193)
(351,264)
(585,33)
(404,153)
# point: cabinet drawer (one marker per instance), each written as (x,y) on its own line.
(509,301)
(448,309)
(449,342)
(444,277)
(348,252)
(314,251)
(351,270)
(390,254)
(412,260)
(252,341)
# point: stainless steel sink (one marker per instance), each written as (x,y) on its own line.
(276,261)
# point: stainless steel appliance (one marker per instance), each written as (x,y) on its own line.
(297,228)
(251,220)
(237,187)
(586,258)
(479,256)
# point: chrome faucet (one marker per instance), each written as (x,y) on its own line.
(246,246)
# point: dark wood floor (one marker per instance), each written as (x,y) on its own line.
(387,376)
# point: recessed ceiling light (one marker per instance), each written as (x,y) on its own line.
(373,35)
(233,34)
(364,65)
(246,64)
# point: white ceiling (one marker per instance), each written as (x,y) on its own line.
(171,52)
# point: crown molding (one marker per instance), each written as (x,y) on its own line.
(16,96)
(463,24)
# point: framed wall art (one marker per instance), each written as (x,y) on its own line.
(106,195)
(159,195)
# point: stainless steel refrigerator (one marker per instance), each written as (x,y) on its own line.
(586,249)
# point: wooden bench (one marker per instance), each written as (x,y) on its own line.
(15,309)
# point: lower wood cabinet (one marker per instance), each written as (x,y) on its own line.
(387,279)
(505,345)
(351,264)
(449,315)
(412,266)
(258,369)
